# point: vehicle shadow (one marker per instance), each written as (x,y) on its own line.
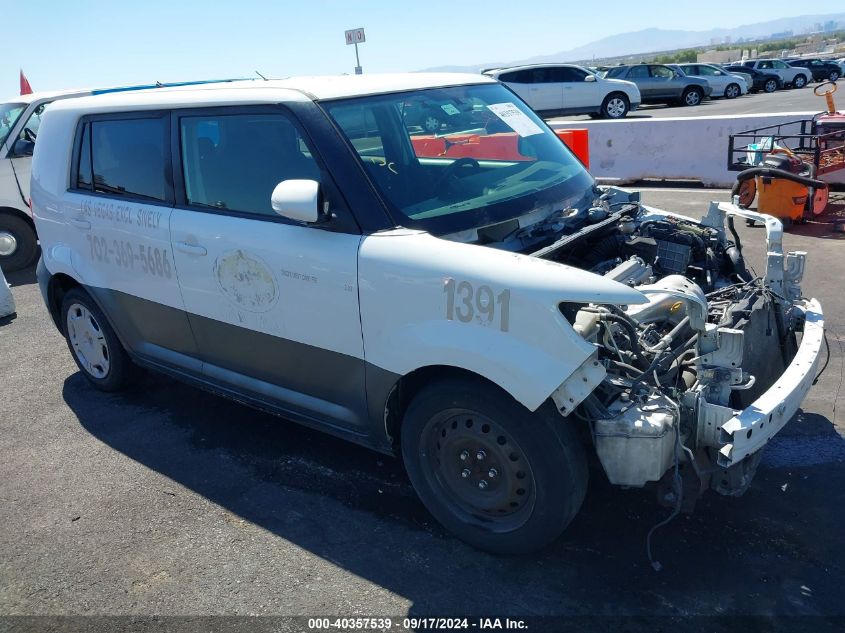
(21,277)
(356,508)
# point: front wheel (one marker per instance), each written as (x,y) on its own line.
(732,91)
(431,123)
(499,477)
(692,97)
(93,343)
(771,85)
(615,106)
(799,82)
(18,243)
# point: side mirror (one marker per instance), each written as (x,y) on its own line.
(590,78)
(297,200)
(22,147)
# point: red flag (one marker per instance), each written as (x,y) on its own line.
(26,89)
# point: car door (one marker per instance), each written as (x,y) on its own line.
(640,76)
(578,95)
(273,303)
(664,83)
(118,209)
(546,92)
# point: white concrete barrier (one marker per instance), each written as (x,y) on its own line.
(678,148)
(7,301)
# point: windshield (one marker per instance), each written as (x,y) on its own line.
(453,159)
(9,115)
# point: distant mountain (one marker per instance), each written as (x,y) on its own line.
(653,40)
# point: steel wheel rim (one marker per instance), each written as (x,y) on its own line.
(615,108)
(88,341)
(693,98)
(482,473)
(431,124)
(8,244)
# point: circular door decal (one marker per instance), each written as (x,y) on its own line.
(246,281)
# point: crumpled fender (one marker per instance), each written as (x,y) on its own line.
(426,301)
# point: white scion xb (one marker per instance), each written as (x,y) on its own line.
(470,300)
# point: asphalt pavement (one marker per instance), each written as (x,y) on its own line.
(167,500)
(790,100)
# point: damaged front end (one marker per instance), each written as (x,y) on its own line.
(700,377)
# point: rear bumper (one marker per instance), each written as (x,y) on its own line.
(750,429)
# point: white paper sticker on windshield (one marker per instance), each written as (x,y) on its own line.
(515,118)
(449,109)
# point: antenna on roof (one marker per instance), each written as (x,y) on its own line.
(260,75)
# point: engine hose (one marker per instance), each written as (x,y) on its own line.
(632,334)
(735,253)
(769,172)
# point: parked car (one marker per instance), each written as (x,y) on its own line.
(20,118)
(761,81)
(724,84)
(488,319)
(791,76)
(659,83)
(559,89)
(821,70)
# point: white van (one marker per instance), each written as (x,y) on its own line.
(20,118)
(471,300)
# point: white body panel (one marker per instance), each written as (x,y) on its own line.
(404,279)
(295,282)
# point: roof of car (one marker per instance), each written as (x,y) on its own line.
(53,94)
(530,66)
(259,91)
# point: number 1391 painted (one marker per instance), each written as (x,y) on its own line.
(466,303)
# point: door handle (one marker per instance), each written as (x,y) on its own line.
(80,223)
(191,249)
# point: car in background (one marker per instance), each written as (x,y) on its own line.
(762,81)
(658,83)
(562,89)
(792,76)
(821,70)
(724,84)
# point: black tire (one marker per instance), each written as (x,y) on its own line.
(770,86)
(18,241)
(732,91)
(118,370)
(799,82)
(615,106)
(594,115)
(692,97)
(833,76)
(538,458)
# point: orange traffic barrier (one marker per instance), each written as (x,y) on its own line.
(578,140)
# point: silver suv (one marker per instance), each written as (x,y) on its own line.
(659,83)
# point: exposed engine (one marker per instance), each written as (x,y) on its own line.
(712,337)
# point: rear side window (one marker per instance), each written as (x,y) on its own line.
(124,157)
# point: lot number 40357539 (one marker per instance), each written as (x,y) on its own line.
(466,302)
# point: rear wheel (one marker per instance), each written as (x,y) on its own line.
(499,477)
(93,343)
(732,91)
(431,122)
(18,243)
(799,82)
(770,86)
(615,106)
(692,96)
(833,76)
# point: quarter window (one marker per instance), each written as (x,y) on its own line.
(235,161)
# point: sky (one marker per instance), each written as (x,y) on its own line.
(96,43)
